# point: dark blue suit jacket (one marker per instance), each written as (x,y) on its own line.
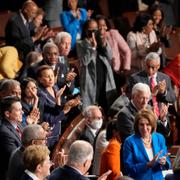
(135,158)
(18,35)
(9,141)
(142,77)
(66,173)
(26,177)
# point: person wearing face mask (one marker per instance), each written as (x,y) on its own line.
(93,118)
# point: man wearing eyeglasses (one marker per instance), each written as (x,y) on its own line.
(159,83)
(32,135)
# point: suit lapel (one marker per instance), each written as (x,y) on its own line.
(12,129)
(141,148)
(155,144)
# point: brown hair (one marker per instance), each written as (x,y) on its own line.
(146,114)
(42,68)
(34,155)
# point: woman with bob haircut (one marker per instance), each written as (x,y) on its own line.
(145,153)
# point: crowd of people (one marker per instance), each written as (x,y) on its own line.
(124,87)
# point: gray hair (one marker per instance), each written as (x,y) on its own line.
(7,85)
(49,45)
(31,132)
(89,110)
(152,56)
(79,152)
(60,36)
(141,87)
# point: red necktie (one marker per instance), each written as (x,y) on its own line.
(18,131)
(154,100)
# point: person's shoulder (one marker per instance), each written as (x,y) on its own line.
(162,75)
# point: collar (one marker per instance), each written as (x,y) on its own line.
(23,18)
(75,169)
(94,131)
(33,176)
(154,76)
(13,124)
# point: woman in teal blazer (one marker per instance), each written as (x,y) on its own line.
(145,153)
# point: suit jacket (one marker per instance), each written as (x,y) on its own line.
(110,160)
(16,165)
(125,122)
(135,158)
(73,25)
(9,141)
(26,177)
(88,136)
(18,35)
(66,173)
(142,77)
(88,77)
(120,51)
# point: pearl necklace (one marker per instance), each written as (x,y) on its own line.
(147,142)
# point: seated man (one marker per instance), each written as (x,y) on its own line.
(10,130)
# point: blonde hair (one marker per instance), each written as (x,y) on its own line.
(34,155)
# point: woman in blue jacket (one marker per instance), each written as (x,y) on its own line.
(145,153)
(73,19)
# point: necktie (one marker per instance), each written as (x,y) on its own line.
(154,100)
(18,131)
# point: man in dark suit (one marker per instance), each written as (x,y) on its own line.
(50,57)
(10,130)
(32,134)
(139,99)
(79,160)
(19,29)
(163,88)
(94,121)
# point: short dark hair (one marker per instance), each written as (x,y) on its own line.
(42,68)
(111,126)
(146,114)
(24,84)
(6,103)
(141,21)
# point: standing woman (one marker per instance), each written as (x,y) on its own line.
(96,81)
(121,53)
(162,31)
(50,103)
(145,153)
(73,19)
(142,40)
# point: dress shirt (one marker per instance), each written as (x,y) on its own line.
(33,176)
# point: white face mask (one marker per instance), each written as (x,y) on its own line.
(96,124)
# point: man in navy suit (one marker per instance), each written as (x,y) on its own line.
(19,29)
(163,88)
(79,160)
(10,130)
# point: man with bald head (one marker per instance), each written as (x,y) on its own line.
(19,29)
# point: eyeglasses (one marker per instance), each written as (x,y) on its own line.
(151,66)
